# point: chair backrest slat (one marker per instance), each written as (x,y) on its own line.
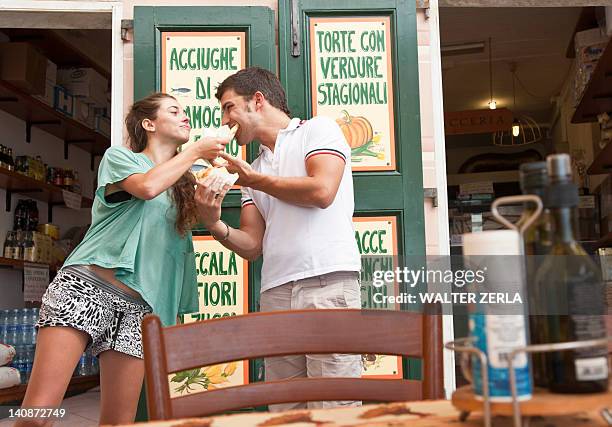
(177,348)
(159,407)
(311,389)
(293,332)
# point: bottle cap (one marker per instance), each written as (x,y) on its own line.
(533,176)
(559,167)
(562,192)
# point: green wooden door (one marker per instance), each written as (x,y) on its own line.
(356,61)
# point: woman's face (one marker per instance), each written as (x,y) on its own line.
(171,122)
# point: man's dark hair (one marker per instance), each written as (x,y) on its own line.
(252,79)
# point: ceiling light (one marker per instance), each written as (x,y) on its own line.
(492,103)
(462,48)
(516,128)
(525,130)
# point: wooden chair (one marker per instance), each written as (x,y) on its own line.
(183,347)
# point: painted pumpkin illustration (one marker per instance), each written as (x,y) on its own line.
(357,130)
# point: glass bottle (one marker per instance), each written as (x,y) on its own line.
(537,239)
(573,292)
(3,162)
(29,252)
(19,216)
(13,246)
(11,162)
(58,180)
(68,181)
(32,215)
(76,186)
(50,175)
(8,245)
(19,245)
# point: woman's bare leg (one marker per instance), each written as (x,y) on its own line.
(58,350)
(121,378)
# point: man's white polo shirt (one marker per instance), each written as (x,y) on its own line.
(304,242)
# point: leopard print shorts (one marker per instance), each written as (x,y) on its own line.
(79,299)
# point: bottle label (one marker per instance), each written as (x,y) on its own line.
(504,334)
(491,337)
(29,255)
(592,369)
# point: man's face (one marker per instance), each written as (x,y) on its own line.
(237,110)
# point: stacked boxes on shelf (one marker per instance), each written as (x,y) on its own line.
(50,80)
(103,125)
(23,66)
(79,93)
(89,91)
(63,101)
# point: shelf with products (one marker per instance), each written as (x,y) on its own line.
(34,112)
(16,183)
(77,385)
(597,97)
(18,264)
(55,47)
(495,177)
(586,21)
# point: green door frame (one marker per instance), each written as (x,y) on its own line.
(398,192)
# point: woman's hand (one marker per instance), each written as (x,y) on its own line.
(209,148)
(208,201)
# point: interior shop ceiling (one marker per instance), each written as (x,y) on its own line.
(535,39)
(72,20)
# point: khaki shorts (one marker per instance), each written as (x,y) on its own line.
(333,290)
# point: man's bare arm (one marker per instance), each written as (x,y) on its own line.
(318,189)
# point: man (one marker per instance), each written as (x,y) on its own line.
(297,207)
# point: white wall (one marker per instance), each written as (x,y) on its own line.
(51,150)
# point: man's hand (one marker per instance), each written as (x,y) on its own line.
(208,201)
(247,175)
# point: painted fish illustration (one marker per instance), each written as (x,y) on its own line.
(181,90)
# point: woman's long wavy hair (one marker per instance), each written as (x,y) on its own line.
(183,190)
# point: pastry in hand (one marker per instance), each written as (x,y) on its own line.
(218,175)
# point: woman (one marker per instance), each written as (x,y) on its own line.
(136,258)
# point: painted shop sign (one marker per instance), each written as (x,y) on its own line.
(193,65)
(377,242)
(477,121)
(352,82)
(223,283)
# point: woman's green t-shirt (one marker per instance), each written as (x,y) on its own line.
(139,240)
